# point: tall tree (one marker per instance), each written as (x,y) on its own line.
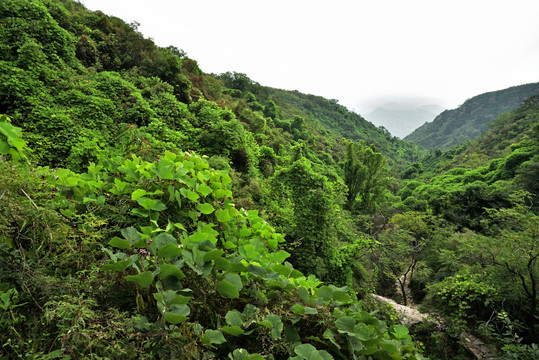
(365,175)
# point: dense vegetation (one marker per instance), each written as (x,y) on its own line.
(471,119)
(150,210)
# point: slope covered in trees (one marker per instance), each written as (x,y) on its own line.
(454,127)
(150,210)
(130,187)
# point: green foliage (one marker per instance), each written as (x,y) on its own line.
(177,251)
(365,176)
(11,142)
(468,121)
(130,247)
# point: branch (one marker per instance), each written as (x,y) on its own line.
(29,198)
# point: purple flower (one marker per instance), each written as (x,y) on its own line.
(149,241)
(142,252)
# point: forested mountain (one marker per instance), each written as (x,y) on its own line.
(454,127)
(152,211)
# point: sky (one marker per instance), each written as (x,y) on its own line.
(363,53)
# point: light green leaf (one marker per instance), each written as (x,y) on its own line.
(191,195)
(205,208)
(400,331)
(204,189)
(213,255)
(303,294)
(310,311)
(138,194)
(281,270)
(223,216)
(280,256)
(140,212)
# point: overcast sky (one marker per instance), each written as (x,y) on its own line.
(361,53)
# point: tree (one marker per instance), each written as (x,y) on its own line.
(365,175)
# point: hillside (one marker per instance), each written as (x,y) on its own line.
(150,210)
(453,127)
(327,114)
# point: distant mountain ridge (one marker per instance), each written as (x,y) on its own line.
(468,121)
(401,120)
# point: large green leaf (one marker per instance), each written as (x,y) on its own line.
(166,270)
(164,169)
(223,215)
(324,292)
(213,255)
(214,336)
(282,270)
(279,256)
(165,239)
(277,326)
(234,318)
(169,251)
(228,289)
(298,309)
(138,194)
(4,147)
(232,330)
(174,319)
(131,234)
(309,352)
(204,189)
(119,243)
(178,314)
(400,331)
(143,280)
(117,266)
(341,297)
(345,324)
(234,279)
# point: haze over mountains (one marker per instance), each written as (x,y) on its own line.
(401,119)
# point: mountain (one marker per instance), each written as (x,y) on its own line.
(401,120)
(453,127)
(345,123)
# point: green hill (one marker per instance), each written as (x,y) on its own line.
(149,210)
(137,197)
(454,127)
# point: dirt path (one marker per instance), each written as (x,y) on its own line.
(410,316)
